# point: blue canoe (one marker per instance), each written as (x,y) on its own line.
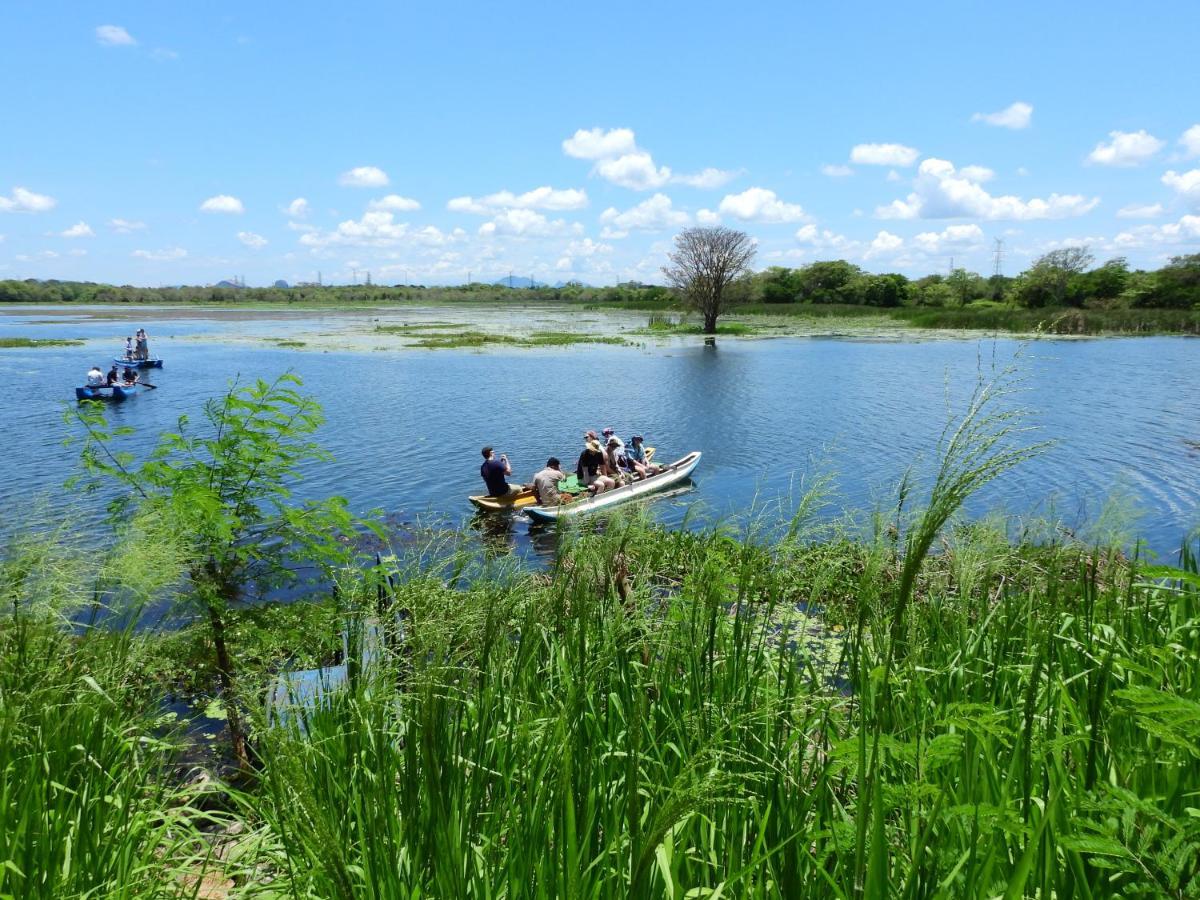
(138,363)
(104,392)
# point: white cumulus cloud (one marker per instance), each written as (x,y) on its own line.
(223,203)
(1186,184)
(824,239)
(708,217)
(125,226)
(653,214)
(884,244)
(252,240)
(618,159)
(940,191)
(1141,211)
(395,203)
(1017,116)
(379,229)
(160,255)
(1185,231)
(635,171)
(522,223)
(977,174)
(1191,142)
(836,171)
(883,155)
(539,198)
(298,208)
(758,204)
(23,200)
(1126,148)
(954,237)
(114,36)
(600,143)
(78,230)
(364,176)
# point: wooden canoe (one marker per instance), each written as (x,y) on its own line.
(521,500)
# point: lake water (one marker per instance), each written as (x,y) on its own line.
(405,426)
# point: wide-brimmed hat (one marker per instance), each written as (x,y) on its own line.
(614,441)
(593,445)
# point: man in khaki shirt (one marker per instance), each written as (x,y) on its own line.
(545,484)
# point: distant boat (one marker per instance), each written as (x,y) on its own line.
(678,471)
(138,363)
(105,392)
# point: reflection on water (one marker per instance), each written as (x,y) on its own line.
(406,427)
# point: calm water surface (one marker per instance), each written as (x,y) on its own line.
(405,426)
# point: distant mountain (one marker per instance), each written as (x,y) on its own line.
(517,281)
(281,284)
(228,284)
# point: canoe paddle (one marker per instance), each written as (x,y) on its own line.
(153,387)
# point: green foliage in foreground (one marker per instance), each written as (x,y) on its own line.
(658,720)
(90,805)
(11,343)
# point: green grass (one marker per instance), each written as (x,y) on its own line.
(286,342)
(666,325)
(408,328)
(994,317)
(8,343)
(480,339)
(90,801)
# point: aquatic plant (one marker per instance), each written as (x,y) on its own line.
(8,343)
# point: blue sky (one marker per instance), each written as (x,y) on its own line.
(155,143)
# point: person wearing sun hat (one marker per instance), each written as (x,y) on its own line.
(610,435)
(636,454)
(614,458)
(590,468)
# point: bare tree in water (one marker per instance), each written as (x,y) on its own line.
(704,264)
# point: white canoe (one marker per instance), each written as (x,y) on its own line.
(678,471)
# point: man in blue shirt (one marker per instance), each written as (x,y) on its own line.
(495,474)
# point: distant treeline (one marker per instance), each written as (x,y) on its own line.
(51,291)
(1063,278)
(1066,278)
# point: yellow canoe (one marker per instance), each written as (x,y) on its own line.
(521,500)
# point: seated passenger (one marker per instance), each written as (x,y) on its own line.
(495,474)
(616,465)
(114,377)
(545,484)
(130,376)
(590,469)
(610,435)
(95,378)
(636,454)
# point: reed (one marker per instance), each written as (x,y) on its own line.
(90,803)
